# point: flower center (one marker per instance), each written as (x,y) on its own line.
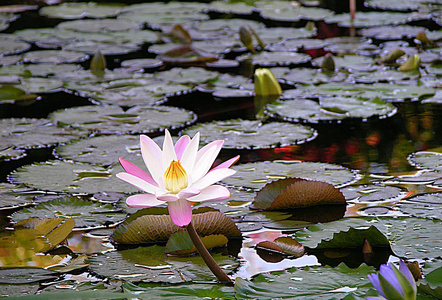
(175,177)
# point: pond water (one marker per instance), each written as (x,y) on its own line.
(367,125)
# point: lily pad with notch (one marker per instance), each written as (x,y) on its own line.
(81,10)
(423,209)
(86,214)
(307,283)
(151,264)
(244,134)
(273,59)
(426,160)
(71,177)
(373,193)
(412,238)
(103,150)
(257,175)
(330,109)
(35,133)
(10,44)
(112,118)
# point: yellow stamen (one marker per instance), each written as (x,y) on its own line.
(175,177)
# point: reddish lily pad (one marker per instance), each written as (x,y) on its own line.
(155,225)
(296,192)
(283,245)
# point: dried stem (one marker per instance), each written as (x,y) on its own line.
(208,259)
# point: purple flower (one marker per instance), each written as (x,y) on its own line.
(394,284)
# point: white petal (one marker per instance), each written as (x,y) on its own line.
(212,177)
(189,156)
(168,151)
(187,193)
(217,144)
(211,193)
(203,165)
(180,212)
(139,183)
(153,164)
(143,200)
(227,163)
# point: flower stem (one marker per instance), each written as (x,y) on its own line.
(208,259)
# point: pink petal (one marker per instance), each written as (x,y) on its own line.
(143,201)
(150,157)
(168,151)
(217,144)
(181,145)
(187,193)
(180,212)
(139,183)
(168,197)
(136,171)
(227,163)
(154,146)
(189,156)
(212,193)
(213,177)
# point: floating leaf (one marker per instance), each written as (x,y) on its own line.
(25,275)
(372,192)
(71,177)
(284,245)
(84,213)
(134,120)
(81,10)
(154,225)
(307,283)
(181,244)
(427,160)
(355,238)
(273,59)
(244,134)
(432,284)
(257,175)
(187,56)
(151,264)
(297,193)
(413,238)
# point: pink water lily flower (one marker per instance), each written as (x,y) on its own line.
(179,175)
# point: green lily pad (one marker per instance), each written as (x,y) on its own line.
(382,75)
(112,119)
(385,91)
(427,160)
(329,109)
(71,177)
(273,59)
(423,209)
(190,76)
(372,192)
(25,275)
(85,213)
(151,264)
(308,283)
(256,175)
(373,18)
(307,76)
(34,133)
(296,44)
(283,11)
(93,26)
(54,56)
(347,61)
(39,70)
(181,291)
(103,150)
(155,225)
(230,7)
(278,34)
(9,44)
(12,197)
(432,283)
(106,48)
(243,134)
(9,153)
(81,10)
(387,33)
(412,238)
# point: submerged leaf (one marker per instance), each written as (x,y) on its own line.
(181,244)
